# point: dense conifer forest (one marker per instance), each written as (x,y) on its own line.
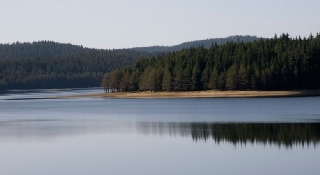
(279,63)
(46,64)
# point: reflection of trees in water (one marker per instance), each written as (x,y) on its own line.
(240,133)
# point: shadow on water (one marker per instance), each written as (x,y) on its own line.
(287,134)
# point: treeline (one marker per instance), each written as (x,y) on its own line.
(40,49)
(268,64)
(75,71)
(287,134)
(205,43)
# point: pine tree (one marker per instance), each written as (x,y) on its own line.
(195,78)
(232,78)
(243,78)
(167,80)
(205,79)
(214,80)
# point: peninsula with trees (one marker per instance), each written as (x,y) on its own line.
(279,63)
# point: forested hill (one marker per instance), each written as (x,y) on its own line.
(83,69)
(269,64)
(50,49)
(41,49)
(205,43)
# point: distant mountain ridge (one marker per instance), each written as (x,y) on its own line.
(51,49)
(206,43)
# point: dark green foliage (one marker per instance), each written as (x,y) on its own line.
(268,64)
(75,71)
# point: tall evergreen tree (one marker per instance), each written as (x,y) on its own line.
(167,80)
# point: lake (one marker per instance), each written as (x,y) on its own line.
(157,136)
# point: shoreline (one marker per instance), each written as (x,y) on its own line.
(200,94)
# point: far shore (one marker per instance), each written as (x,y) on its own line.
(200,94)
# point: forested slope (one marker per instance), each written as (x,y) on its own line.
(268,64)
(80,70)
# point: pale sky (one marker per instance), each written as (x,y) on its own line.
(111,24)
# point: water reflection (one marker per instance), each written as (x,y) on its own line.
(287,134)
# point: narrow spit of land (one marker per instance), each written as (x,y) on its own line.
(201,94)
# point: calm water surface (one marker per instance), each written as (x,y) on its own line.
(158,136)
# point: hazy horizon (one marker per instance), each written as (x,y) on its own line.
(128,47)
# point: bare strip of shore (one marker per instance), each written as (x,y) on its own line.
(201,94)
